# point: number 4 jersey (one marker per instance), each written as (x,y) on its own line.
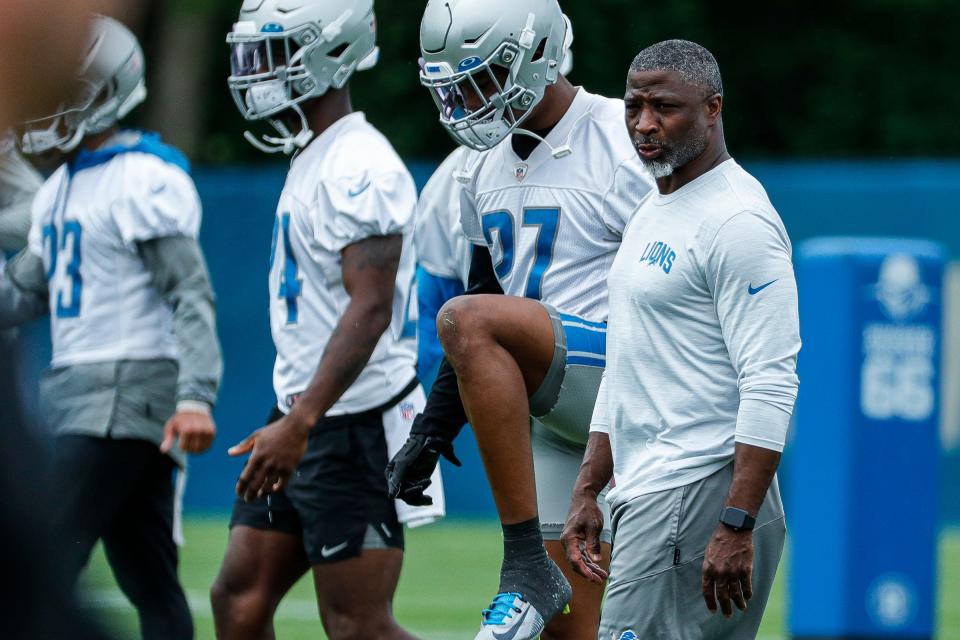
(87,220)
(553,225)
(347,185)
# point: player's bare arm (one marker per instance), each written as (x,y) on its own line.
(728,562)
(369,272)
(581,533)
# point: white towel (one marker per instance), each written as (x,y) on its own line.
(397,422)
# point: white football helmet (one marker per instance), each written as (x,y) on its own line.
(287,51)
(513,47)
(111,84)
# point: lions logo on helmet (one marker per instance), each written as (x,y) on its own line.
(284,52)
(628,635)
(487,79)
(110,84)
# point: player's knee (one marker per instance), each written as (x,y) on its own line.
(238,608)
(459,324)
(356,625)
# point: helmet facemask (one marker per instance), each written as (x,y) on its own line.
(109,87)
(503,88)
(503,104)
(274,72)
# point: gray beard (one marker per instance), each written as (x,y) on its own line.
(675,157)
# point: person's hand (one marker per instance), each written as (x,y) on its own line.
(581,537)
(196,431)
(277,449)
(728,570)
(408,473)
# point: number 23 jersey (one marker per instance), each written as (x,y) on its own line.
(553,225)
(87,221)
(345,186)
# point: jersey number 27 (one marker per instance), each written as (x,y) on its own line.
(548,221)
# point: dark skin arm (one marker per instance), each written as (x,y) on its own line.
(728,562)
(581,533)
(369,272)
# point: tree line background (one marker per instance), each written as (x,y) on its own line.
(816,79)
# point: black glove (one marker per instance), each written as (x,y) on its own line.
(408,474)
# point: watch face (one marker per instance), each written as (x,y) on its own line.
(737,518)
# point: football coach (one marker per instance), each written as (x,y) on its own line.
(700,380)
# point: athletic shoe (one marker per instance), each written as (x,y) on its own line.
(510,617)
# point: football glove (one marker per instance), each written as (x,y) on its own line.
(408,474)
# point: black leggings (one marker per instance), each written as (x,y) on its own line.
(121,491)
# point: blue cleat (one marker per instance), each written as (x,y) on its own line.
(510,617)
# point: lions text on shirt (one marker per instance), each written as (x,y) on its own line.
(703,334)
(86,222)
(553,225)
(442,249)
(347,185)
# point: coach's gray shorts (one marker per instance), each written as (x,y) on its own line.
(563,407)
(655,573)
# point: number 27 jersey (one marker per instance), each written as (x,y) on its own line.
(553,225)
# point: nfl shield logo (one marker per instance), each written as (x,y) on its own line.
(408,411)
(520,171)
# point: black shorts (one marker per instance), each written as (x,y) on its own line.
(337,500)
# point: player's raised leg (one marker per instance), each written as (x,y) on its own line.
(501,348)
(259,567)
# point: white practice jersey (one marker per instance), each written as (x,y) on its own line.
(87,221)
(442,249)
(553,226)
(347,185)
(703,336)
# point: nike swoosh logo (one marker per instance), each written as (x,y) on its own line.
(353,193)
(326,553)
(509,635)
(754,292)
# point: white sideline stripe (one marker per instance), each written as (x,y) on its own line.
(578,325)
(290,609)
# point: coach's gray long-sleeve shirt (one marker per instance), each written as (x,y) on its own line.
(703,334)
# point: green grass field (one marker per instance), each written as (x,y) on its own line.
(449,575)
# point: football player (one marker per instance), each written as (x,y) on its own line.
(113,256)
(443,252)
(545,203)
(312,495)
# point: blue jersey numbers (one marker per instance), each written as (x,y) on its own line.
(68,242)
(291,285)
(546,220)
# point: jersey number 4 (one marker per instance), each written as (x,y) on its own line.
(291,286)
(547,219)
(56,243)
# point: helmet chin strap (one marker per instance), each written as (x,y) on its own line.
(557,152)
(288,142)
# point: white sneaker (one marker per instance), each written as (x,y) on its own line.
(510,617)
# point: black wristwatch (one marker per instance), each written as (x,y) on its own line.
(737,519)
